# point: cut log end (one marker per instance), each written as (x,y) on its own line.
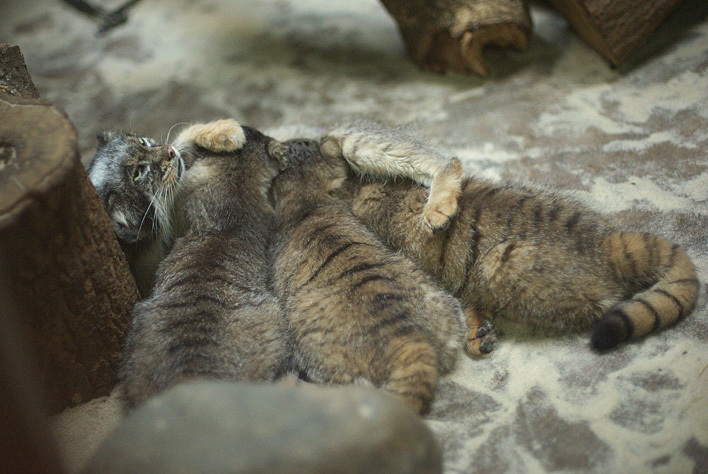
(465,54)
(446,35)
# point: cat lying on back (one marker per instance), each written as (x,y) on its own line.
(356,310)
(534,258)
(210,314)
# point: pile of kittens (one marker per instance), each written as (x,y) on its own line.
(259,258)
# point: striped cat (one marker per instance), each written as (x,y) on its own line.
(210,314)
(538,259)
(356,311)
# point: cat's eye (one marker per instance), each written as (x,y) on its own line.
(144,142)
(139,172)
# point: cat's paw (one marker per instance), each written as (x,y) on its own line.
(331,146)
(481,337)
(219,136)
(439,212)
(442,205)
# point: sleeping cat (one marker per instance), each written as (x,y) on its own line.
(356,310)
(210,314)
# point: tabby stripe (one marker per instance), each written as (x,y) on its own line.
(491,192)
(303,332)
(318,231)
(329,258)
(674,251)
(657,318)
(686,280)
(507,251)
(386,322)
(366,280)
(306,215)
(422,397)
(471,260)
(519,206)
(191,343)
(553,215)
(175,304)
(208,299)
(537,215)
(360,268)
(385,297)
(443,252)
(199,279)
(627,256)
(572,221)
(669,295)
(626,320)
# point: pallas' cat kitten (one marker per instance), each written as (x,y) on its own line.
(210,313)
(356,311)
(533,257)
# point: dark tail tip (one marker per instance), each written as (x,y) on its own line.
(610,331)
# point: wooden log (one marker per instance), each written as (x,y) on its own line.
(66,274)
(26,444)
(615,28)
(452,34)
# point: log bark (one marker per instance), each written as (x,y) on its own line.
(66,274)
(451,34)
(615,28)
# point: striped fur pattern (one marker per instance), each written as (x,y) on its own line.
(211,314)
(138,178)
(357,312)
(535,258)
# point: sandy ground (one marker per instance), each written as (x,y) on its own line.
(632,142)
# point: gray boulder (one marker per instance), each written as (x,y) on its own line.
(235,427)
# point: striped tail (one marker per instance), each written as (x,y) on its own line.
(413,371)
(665,274)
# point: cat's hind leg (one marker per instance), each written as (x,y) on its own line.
(444,195)
(372,149)
(481,335)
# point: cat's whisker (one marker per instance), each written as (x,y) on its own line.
(140,227)
(170,130)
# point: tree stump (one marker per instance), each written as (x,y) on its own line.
(66,274)
(451,34)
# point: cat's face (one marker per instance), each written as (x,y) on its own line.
(137,178)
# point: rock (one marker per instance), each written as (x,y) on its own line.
(232,427)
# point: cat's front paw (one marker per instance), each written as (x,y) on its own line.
(219,136)
(481,337)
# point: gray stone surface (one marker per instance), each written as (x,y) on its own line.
(228,427)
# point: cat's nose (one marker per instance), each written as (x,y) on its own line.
(171,151)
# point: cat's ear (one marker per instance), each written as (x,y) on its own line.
(279,152)
(105,137)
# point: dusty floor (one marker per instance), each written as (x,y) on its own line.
(631,141)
